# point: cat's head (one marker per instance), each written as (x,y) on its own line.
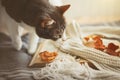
(47,19)
(52,25)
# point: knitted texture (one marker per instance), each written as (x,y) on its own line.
(65,66)
(73,44)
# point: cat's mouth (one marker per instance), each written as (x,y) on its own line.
(48,36)
(56,37)
(53,35)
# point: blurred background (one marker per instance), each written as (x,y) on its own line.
(91,11)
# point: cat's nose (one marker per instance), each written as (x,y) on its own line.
(57,36)
(60,36)
(57,31)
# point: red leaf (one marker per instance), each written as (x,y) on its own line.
(110,52)
(98,44)
(112,46)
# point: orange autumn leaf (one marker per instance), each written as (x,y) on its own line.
(95,42)
(102,48)
(97,38)
(47,56)
(86,38)
(98,43)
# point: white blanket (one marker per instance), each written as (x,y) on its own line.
(65,66)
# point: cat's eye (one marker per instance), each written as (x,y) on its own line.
(50,22)
(49,27)
(47,23)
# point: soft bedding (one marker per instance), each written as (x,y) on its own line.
(108,66)
(66,66)
(13,64)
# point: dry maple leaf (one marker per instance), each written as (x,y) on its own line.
(47,56)
(98,43)
(111,49)
(86,38)
(112,46)
(95,42)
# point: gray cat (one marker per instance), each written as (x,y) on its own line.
(37,16)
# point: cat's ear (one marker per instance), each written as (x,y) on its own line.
(64,8)
(47,22)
